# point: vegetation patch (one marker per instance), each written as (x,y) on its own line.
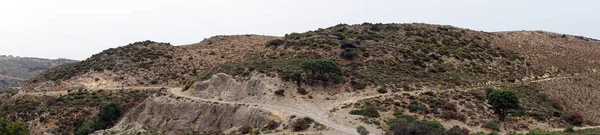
(81,107)
(368,110)
(493,125)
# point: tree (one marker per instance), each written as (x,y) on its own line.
(109,114)
(321,70)
(362,130)
(503,102)
(13,128)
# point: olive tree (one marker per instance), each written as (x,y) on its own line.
(503,103)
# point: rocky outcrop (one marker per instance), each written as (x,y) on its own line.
(225,87)
(178,116)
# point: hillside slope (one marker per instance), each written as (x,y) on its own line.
(333,73)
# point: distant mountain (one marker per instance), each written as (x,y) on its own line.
(13,70)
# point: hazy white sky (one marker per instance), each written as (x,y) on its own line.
(76,29)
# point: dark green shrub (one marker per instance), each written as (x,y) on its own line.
(357,85)
(489,91)
(349,53)
(493,125)
(308,119)
(302,91)
(322,71)
(400,118)
(276,42)
(87,127)
(382,90)
(109,114)
(503,103)
(362,130)
(279,92)
(369,110)
(348,44)
(415,106)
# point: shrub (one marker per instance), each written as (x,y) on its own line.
(245,129)
(362,130)
(369,110)
(462,117)
(302,91)
(323,71)
(382,90)
(418,128)
(574,118)
(416,106)
(456,130)
(349,53)
(449,114)
(279,92)
(401,119)
(503,102)
(489,91)
(13,128)
(348,44)
(109,114)
(358,85)
(276,42)
(87,127)
(300,125)
(493,125)
(309,120)
(450,106)
(188,85)
(272,125)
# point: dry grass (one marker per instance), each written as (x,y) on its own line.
(551,51)
(577,94)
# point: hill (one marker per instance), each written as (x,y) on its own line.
(334,79)
(15,69)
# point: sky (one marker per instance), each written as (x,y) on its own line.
(77,29)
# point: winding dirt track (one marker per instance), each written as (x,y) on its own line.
(325,120)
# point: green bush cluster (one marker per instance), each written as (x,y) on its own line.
(368,110)
(409,125)
(362,130)
(13,127)
(322,71)
(109,114)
